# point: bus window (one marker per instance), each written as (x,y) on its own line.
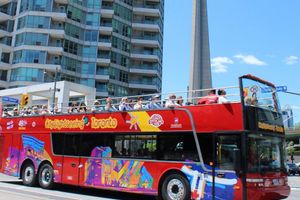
(135,146)
(228,152)
(57,143)
(206,147)
(89,142)
(71,144)
(179,147)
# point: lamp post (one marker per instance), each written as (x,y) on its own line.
(54,90)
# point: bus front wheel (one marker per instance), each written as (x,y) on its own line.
(175,186)
(28,175)
(46,176)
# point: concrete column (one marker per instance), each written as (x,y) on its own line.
(200,69)
(63,97)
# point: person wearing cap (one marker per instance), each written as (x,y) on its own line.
(96,106)
(154,102)
(109,105)
(171,102)
(124,104)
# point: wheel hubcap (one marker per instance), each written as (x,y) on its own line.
(46,177)
(28,174)
(175,189)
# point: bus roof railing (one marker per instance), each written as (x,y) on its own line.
(187,97)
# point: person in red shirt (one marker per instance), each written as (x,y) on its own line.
(211,98)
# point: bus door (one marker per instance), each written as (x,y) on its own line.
(227,167)
(71,165)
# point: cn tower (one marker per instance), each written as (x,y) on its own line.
(200,69)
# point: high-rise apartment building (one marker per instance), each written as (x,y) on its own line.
(112,45)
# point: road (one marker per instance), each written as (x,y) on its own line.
(11,188)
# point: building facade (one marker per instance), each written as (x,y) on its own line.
(113,45)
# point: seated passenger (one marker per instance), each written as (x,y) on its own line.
(15,112)
(56,111)
(82,108)
(222,96)
(154,103)
(179,101)
(109,106)
(97,106)
(171,102)
(139,104)
(35,111)
(44,110)
(5,113)
(73,108)
(124,104)
(211,98)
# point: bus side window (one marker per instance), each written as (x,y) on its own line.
(174,146)
(71,145)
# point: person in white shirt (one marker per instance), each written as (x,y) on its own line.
(124,104)
(222,96)
(139,104)
(171,102)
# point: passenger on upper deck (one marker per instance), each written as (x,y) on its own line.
(222,98)
(15,112)
(124,104)
(179,101)
(171,102)
(97,106)
(82,107)
(211,98)
(44,110)
(154,103)
(139,104)
(56,111)
(109,106)
(35,111)
(5,113)
(73,108)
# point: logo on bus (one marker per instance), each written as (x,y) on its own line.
(156,120)
(22,124)
(9,124)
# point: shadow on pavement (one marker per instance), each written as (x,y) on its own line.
(92,192)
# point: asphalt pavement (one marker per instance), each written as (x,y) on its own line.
(12,188)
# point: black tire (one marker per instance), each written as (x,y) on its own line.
(29,177)
(175,186)
(46,176)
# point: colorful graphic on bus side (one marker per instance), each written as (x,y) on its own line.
(32,149)
(116,173)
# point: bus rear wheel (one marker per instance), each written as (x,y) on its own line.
(175,187)
(28,175)
(46,176)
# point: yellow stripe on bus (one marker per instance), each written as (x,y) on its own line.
(142,119)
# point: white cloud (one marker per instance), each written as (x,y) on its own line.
(295,107)
(219,64)
(291,60)
(250,59)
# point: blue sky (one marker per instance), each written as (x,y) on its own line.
(260,37)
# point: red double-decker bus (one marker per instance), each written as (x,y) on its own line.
(232,150)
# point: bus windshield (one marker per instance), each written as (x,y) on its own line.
(265,153)
(261,94)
